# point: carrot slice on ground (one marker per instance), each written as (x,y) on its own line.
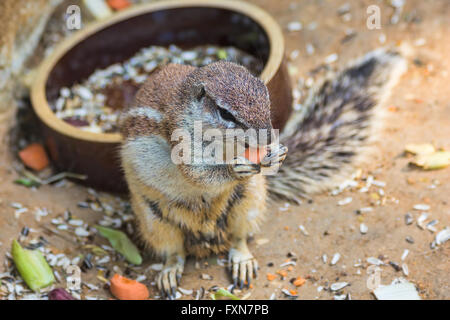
(255,154)
(34,157)
(127,289)
(282,273)
(271,277)
(299,282)
(119,4)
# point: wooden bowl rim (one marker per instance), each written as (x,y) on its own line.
(38,94)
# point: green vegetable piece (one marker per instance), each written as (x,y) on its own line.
(222,54)
(223,293)
(122,244)
(27,182)
(32,266)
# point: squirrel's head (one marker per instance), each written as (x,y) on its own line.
(224,95)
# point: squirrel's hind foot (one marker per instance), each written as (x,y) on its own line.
(242,264)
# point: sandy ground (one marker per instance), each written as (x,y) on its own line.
(419,112)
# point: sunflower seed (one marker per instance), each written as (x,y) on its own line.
(443,236)
(421,207)
(395,266)
(338,286)
(303,230)
(375,261)
(81,232)
(363,228)
(405,269)
(421,219)
(345,201)
(185,291)
(431,224)
(331,58)
(294,26)
(409,239)
(408,218)
(335,259)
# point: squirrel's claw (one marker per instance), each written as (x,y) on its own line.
(275,156)
(243,167)
(169,278)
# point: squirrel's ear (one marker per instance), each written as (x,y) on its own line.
(201,93)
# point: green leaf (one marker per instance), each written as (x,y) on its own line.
(223,293)
(32,267)
(122,244)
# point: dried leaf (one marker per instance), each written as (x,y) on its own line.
(424,148)
(437,160)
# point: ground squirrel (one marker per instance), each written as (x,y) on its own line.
(199,209)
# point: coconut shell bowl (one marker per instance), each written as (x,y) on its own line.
(185,23)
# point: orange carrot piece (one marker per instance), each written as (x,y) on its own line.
(293,292)
(282,273)
(34,157)
(119,4)
(393,108)
(255,154)
(299,282)
(127,289)
(271,277)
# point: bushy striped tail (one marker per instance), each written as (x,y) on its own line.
(341,120)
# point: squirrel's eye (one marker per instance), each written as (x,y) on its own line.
(226,115)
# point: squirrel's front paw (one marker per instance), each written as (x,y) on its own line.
(274,157)
(169,277)
(242,167)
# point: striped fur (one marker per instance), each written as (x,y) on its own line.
(194,219)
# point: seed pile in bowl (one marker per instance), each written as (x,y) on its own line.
(94,104)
